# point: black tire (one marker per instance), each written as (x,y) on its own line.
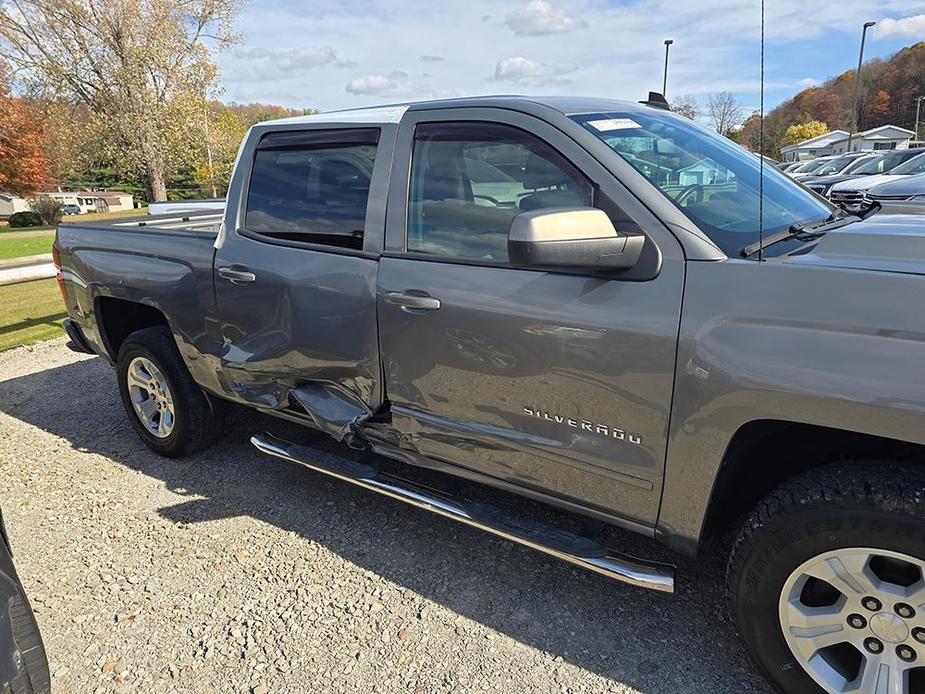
(876,504)
(195,425)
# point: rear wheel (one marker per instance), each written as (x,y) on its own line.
(827,581)
(167,408)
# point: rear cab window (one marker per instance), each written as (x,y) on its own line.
(311,186)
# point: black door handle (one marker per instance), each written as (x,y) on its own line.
(411,301)
(237,274)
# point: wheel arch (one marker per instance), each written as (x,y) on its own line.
(764,453)
(116,319)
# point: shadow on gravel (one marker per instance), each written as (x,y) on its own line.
(652,642)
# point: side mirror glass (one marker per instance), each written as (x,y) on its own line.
(571,237)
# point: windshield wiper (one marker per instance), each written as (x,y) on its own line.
(800,232)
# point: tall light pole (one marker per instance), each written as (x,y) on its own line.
(918,105)
(668,42)
(857,83)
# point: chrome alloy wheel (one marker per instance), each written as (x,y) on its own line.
(854,618)
(151,397)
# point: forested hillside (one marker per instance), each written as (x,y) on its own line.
(888,92)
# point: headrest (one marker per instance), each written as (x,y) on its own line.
(542,173)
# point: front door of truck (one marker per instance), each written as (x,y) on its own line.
(555,381)
(295,282)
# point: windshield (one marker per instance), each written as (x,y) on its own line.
(810,166)
(915,165)
(712,180)
(858,164)
(834,166)
(883,163)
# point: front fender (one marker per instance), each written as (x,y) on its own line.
(837,348)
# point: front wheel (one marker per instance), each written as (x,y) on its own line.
(167,408)
(827,581)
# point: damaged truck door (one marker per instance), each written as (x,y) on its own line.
(296,285)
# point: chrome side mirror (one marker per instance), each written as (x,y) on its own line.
(571,237)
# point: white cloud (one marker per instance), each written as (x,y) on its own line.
(907,26)
(431,58)
(260,64)
(531,73)
(396,84)
(540,17)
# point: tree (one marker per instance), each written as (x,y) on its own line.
(804,131)
(48,209)
(877,109)
(724,111)
(143,67)
(686,106)
(24,168)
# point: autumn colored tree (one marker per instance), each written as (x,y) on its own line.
(804,131)
(876,110)
(24,168)
(143,67)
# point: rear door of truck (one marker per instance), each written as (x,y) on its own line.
(295,271)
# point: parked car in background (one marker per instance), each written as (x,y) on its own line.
(71,209)
(850,194)
(874,165)
(790,165)
(809,167)
(904,189)
(23,663)
(822,183)
(840,164)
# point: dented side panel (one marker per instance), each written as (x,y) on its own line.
(308,318)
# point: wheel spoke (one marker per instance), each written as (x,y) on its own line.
(847,573)
(147,409)
(137,379)
(814,628)
(879,676)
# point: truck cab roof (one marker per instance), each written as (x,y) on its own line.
(392,113)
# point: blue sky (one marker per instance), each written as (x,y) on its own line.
(331,55)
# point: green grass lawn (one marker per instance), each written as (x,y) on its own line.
(29,312)
(31,245)
(5,229)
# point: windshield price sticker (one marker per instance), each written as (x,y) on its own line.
(613,124)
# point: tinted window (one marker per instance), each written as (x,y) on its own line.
(709,178)
(469,181)
(915,165)
(312,186)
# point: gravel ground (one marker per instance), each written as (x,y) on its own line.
(234,572)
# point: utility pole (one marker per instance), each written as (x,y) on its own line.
(857,85)
(668,42)
(918,105)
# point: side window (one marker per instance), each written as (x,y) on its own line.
(312,186)
(469,181)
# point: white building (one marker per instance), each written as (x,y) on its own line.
(836,142)
(11,204)
(95,200)
(87,201)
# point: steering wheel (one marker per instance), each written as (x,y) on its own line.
(690,190)
(493,201)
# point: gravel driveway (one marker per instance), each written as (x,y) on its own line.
(233,572)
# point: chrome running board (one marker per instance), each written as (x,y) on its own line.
(575,549)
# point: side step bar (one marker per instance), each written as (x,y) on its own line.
(572,548)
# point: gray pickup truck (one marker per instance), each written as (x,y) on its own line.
(595,304)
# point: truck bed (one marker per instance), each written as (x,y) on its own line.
(203,222)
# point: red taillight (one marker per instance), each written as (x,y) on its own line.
(56,259)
